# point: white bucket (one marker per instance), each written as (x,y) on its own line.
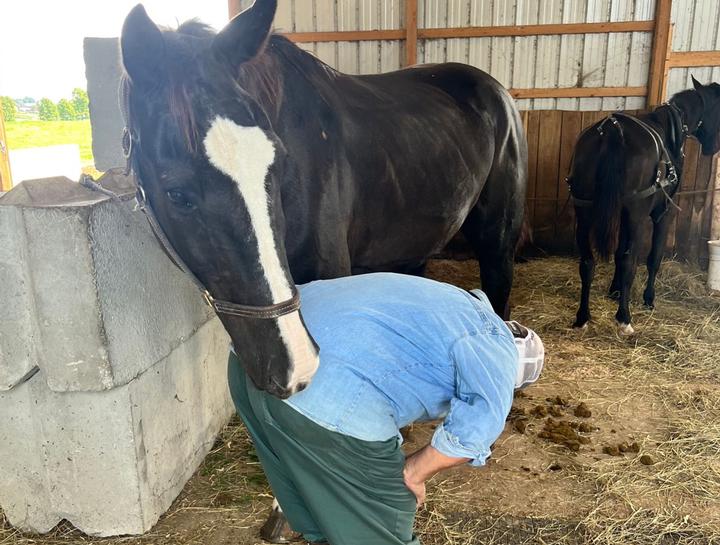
(714,268)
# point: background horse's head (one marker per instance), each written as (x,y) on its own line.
(708,134)
(210,164)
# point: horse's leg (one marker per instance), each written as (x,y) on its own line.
(662,218)
(495,252)
(616,284)
(587,265)
(628,266)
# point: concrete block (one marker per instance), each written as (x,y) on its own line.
(97,301)
(103,71)
(18,332)
(112,462)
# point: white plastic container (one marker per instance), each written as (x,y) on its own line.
(714,268)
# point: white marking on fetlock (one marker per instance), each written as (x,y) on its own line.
(625,330)
(276,506)
(245,154)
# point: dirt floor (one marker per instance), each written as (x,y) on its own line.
(619,442)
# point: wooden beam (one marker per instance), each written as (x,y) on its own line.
(411,32)
(5,175)
(694,58)
(579,92)
(536,30)
(346,36)
(658,57)
(233,8)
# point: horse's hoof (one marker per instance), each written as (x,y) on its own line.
(650,305)
(581,327)
(625,330)
(276,528)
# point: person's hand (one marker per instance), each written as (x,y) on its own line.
(414,484)
(422,465)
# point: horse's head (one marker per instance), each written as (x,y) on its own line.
(210,164)
(709,131)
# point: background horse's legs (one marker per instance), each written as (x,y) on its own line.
(616,284)
(662,218)
(587,264)
(628,267)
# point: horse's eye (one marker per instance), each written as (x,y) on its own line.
(179,199)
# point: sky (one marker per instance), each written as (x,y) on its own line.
(41,42)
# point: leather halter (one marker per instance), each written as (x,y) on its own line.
(130,140)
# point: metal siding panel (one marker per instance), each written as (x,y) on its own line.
(479,48)
(348,51)
(618,54)
(594,55)
(369,51)
(304,15)
(640,52)
(571,51)
(326,19)
(436,16)
(458,16)
(548,53)
(390,18)
(525,49)
(501,65)
(284,16)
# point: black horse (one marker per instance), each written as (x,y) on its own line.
(265,168)
(626,168)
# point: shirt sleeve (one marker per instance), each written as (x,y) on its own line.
(485,368)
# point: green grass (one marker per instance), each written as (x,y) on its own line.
(36,134)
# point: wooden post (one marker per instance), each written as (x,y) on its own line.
(233,8)
(411,31)
(658,59)
(715,186)
(5,176)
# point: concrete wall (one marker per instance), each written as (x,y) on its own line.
(103,71)
(112,369)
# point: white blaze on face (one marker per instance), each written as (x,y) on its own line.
(245,154)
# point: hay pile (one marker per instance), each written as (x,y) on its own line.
(672,365)
(660,389)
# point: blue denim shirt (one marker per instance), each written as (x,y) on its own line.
(396,349)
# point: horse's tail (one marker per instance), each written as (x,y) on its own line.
(526,234)
(609,182)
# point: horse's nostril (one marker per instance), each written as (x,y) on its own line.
(300,387)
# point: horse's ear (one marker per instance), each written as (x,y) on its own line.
(698,86)
(245,36)
(142,46)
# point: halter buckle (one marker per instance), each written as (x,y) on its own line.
(127,142)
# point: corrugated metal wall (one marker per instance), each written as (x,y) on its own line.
(595,60)
(696,29)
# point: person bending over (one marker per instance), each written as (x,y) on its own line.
(394,350)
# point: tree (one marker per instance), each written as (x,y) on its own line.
(66,110)
(47,110)
(9,108)
(81,103)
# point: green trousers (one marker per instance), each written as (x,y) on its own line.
(331,487)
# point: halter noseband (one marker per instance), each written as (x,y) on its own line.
(130,140)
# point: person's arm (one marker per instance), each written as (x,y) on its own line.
(422,465)
(485,370)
